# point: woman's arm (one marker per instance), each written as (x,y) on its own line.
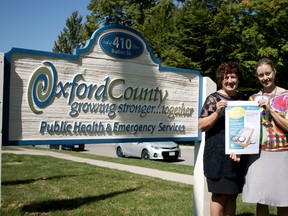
(279,120)
(206,123)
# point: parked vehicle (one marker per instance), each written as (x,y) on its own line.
(71,147)
(149,150)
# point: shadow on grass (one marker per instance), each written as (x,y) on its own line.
(69,204)
(245,214)
(29,181)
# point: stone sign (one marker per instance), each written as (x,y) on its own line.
(112,90)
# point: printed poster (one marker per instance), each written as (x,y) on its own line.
(242,127)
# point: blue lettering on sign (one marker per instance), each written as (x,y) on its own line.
(44,88)
(121,45)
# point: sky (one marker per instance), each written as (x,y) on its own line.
(35,24)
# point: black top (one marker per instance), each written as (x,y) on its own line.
(216,163)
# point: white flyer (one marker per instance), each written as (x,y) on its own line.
(242,127)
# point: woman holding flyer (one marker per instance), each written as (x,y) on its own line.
(266,179)
(224,175)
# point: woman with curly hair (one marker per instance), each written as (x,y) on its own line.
(224,173)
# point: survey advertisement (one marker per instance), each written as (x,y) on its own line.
(242,127)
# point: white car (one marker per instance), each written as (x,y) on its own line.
(149,150)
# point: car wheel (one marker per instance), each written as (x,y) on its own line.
(119,152)
(81,147)
(145,155)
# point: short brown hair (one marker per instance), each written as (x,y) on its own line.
(228,67)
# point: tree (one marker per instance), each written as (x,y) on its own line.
(122,12)
(210,32)
(72,35)
(264,35)
(201,34)
(90,26)
(159,29)
(207,34)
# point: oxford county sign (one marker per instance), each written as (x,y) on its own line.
(112,90)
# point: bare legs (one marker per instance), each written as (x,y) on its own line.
(263,210)
(223,204)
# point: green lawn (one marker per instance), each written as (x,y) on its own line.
(161,165)
(42,185)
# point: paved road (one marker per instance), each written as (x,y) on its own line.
(187,152)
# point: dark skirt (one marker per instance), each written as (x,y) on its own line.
(225,185)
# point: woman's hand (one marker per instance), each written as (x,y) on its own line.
(206,123)
(220,106)
(234,157)
(265,104)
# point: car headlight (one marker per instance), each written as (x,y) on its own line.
(155,147)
